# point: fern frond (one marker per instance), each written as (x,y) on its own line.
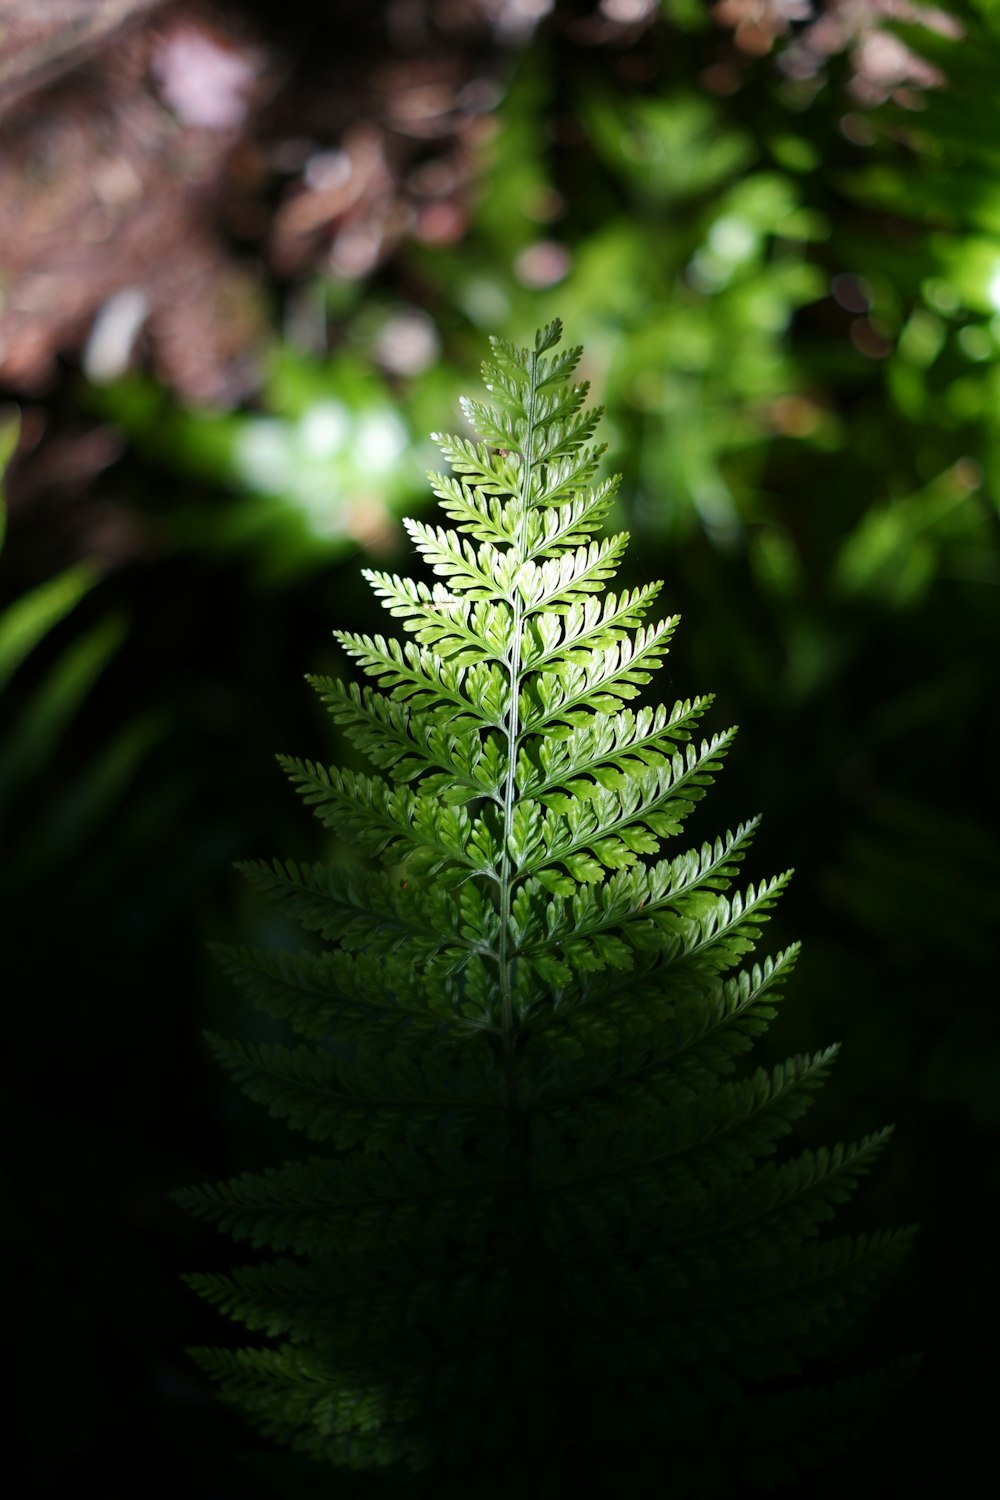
(563,514)
(450,625)
(359,1203)
(394,821)
(599,680)
(328,1413)
(555,1221)
(705,1142)
(482,572)
(617,741)
(631,900)
(455,763)
(551,638)
(789,1201)
(369,1100)
(376,913)
(696,1043)
(462,695)
(337,1305)
(563,581)
(611,819)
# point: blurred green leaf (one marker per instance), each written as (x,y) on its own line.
(895,550)
(29,619)
(55,701)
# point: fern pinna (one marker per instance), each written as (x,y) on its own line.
(547,1243)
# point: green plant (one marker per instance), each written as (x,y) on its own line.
(59,826)
(548,1243)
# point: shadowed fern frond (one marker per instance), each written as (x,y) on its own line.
(550,1247)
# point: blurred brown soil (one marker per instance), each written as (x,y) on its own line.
(172,170)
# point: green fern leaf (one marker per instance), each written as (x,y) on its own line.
(555,1232)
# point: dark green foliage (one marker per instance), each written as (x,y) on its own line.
(550,1241)
(37,720)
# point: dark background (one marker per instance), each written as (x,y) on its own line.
(250,256)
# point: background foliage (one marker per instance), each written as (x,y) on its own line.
(777,235)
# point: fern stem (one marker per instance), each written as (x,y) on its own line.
(513,727)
